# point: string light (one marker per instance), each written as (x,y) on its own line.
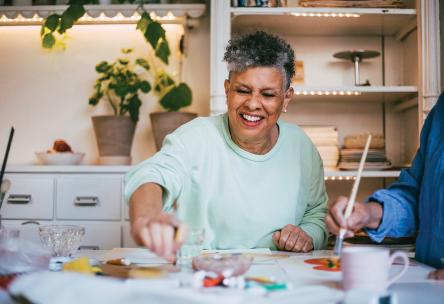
(100,18)
(339,15)
(326,92)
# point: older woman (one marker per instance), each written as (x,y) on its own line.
(248,178)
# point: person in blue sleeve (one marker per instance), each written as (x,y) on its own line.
(412,205)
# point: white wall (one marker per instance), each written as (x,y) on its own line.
(45,94)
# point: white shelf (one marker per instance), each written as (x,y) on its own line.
(350,175)
(102,14)
(300,21)
(356,93)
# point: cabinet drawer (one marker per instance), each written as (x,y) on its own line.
(30,197)
(89,198)
(99,235)
(29,230)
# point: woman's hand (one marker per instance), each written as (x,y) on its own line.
(437,275)
(158,234)
(293,238)
(363,215)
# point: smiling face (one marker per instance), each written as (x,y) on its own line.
(255,99)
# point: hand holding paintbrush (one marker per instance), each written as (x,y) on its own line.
(351,201)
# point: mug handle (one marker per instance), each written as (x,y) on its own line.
(403,256)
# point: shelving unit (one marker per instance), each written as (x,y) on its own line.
(404,79)
(104,14)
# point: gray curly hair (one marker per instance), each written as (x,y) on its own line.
(260,49)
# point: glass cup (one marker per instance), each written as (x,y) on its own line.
(192,246)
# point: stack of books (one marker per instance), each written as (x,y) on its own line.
(354,148)
(325,138)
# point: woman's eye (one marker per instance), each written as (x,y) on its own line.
(241,91)
(269,95)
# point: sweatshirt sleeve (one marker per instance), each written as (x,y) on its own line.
(313,222)
(166,168)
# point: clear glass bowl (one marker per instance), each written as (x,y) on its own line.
(225,264)
(62,240)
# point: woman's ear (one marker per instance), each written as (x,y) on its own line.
(288,96)
(227,86)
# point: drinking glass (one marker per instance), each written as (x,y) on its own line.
(192,246)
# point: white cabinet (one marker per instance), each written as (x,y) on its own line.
(89,196)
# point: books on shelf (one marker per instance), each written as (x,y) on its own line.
(325,138)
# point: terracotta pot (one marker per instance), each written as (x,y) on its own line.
(114,136)
(164,123)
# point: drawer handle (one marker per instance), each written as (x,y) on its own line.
(89,247)
(19,199)
(30,222)
(86,201)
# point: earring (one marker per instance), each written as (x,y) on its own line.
(284,110)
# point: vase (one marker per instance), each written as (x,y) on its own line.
(164,123)
(114,136)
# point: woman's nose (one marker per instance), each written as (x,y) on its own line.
(254,102)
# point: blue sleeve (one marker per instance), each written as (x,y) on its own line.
(400,200)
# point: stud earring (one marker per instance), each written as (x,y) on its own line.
(284,110)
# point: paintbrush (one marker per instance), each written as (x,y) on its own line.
(5,186)
(351,201)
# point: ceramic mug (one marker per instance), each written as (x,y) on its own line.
(368,268)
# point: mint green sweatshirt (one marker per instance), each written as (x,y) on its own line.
(239,198)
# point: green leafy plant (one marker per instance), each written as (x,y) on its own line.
(119,84)
(172,94)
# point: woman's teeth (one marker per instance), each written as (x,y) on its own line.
(251,118)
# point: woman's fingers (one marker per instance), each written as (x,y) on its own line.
(285,233)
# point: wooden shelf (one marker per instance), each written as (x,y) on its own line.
(300,21)
(102,14)
(350,175)
(355,93)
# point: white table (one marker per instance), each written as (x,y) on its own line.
(309,286)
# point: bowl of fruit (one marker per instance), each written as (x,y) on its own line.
(60,154)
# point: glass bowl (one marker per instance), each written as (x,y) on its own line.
(223,264)
(62,240)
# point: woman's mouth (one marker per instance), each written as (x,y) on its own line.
(251,120)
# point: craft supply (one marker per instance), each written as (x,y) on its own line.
(119,262)
(331,264)
(351,201)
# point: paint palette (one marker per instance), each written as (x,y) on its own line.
(331,264)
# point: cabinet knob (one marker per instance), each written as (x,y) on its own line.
(86,201)
(19,198)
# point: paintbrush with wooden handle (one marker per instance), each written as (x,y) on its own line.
(351,201)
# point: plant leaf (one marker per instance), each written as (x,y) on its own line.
(153,33)
(48,41)
(143,22)
(145,86)
(102,67)
(52,22)
(178,97)
(66,22)
(143,63)
(75,11)
(163,51)
(134,104)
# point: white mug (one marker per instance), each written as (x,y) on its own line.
(368,268)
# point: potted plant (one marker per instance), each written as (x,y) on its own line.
(119,85)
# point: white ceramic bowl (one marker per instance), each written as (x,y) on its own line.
(60,158)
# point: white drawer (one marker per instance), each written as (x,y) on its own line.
(29,230)
(30,197)
(99,235)
(89,198)
(128,241)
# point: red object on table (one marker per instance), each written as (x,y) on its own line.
(211,282)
